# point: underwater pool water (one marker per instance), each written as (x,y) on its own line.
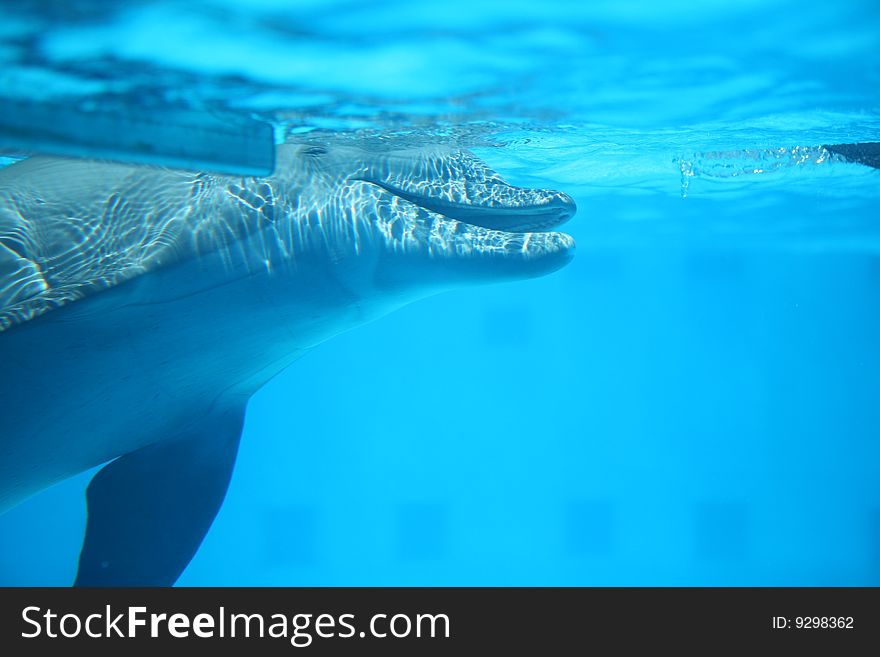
(694,400)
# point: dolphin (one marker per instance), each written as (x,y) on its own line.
(140,308)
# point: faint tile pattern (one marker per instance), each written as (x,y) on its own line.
(422,530)
(290,535)
(874,546)
(589,528)
(721,530)
(508,326)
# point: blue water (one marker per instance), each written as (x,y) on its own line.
(694,400)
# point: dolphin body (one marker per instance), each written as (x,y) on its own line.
(141,307)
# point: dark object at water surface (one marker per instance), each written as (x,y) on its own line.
(867,153)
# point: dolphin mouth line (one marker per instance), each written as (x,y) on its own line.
(514,232)
(526,218)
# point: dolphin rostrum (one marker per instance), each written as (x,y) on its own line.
(141,307)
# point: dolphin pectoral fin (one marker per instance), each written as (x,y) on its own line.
(149,510)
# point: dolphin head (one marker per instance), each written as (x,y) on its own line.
(427,218)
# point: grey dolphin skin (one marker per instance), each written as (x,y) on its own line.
(141,307)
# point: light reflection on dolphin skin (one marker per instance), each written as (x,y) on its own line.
(71,227)
(141,307)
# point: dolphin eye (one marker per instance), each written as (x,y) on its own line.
(315,151)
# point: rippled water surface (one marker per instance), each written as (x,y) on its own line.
(692,401)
